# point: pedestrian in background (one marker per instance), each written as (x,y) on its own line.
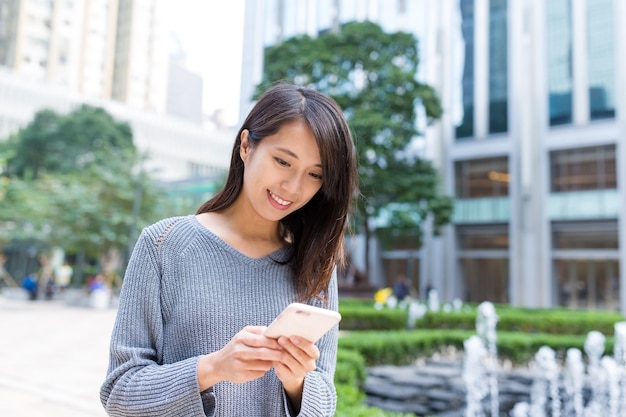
(200,289)
(30,284)
(63,276)
(400,287)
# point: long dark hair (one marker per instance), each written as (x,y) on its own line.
(317,229)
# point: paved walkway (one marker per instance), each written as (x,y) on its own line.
(53,358)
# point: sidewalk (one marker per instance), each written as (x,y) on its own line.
(53,358)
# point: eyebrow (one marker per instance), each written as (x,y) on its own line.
(290,153)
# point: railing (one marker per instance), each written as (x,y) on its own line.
(580,205)
(575,205)
(481,210)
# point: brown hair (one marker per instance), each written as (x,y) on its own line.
(317,229)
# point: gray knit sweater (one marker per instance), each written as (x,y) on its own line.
(186,293)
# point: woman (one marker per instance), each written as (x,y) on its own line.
(199,290)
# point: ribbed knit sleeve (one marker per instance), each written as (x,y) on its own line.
(138,384)
(186,293)
(319,397)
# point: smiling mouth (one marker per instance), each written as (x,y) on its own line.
(279,200)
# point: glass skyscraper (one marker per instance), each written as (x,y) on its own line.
(531,142)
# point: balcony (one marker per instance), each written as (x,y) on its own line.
(583,205)
(481,210)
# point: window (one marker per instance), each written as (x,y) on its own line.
(600,59)
(585,235)
(498,77)
(580,169)
(466,128)
(482,178)
(483,237)
(559,61)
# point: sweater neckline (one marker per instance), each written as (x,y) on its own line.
(280,255)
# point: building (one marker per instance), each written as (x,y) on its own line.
(177,150)
(113,54)
(109,49)
(529,142)
(68,43)
(141,55)
(184,87)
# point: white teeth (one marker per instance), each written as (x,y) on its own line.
(279,200)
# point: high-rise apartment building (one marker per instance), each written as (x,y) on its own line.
(100,48)
(531,143)
(141,55)
(67,43)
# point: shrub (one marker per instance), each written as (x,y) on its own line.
(349,377)
(361,315)
(355,317)
(350,368)
(405,347)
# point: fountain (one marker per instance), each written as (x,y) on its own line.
(594,348)
(486,321)
(556,391)
(474,375)
(545,384)
(433,301)
(619,354)
(573,380)
(589,383)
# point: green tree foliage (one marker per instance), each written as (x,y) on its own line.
(372,76)
(72,180)
(55,143)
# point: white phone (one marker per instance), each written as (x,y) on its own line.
(305,321)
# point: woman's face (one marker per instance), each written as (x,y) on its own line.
(283,172)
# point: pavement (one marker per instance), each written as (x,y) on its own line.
(53,356)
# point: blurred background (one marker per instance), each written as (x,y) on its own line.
(115,113)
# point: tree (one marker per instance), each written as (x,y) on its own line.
(372,76)
(79,189)
(55,143)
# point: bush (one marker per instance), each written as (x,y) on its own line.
(400,347)
(405,347)
(349,377)
(350,368)
(372,337)
(361,315)
(355,317)
(351,404)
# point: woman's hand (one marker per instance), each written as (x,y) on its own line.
(299,359)
(247,356)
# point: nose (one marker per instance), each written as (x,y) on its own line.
(292,184)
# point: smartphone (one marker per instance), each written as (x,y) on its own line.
(305,321)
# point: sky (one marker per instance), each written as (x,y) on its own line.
(211,32)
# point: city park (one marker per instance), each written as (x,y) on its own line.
(72,189)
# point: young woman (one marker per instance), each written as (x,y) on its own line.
(200,289)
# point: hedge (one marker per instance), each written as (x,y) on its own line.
(361,315)
(370,337)
(405,347)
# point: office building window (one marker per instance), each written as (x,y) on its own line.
(600,57)
(478,178)
(484,262)
(559,60)
(586,264)
(466,128)
(498,77)
(483,237)
(485,279)
(585,235)
(580,169)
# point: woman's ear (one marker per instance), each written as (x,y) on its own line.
(244,147)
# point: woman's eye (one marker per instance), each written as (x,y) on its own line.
(316,176)
(281,162)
